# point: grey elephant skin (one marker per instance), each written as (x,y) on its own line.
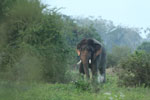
(92,55)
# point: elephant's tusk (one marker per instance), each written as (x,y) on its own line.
(79,62)
(89,61)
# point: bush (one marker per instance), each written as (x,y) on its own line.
(32,46)
(135,69)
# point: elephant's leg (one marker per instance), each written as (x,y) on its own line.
(102,70)
(103,74)
(94,70)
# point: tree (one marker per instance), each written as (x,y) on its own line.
(123,37)
(5,6)
(111,34)
(33,43)
(144,46)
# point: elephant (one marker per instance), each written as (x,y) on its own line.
(92,55)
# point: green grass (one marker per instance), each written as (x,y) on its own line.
(71,91)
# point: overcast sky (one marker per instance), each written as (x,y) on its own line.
(133,13)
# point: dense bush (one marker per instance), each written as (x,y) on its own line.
(135,70)
(32,45)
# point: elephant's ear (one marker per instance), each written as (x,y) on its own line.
(80,45)
(78,52)
(98,50)
(78,48)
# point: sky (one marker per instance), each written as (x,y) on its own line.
(132,13)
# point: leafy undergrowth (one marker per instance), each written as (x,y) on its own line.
(71,91)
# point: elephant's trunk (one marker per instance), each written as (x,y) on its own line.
(86,69)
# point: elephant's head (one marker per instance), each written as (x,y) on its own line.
(88,50)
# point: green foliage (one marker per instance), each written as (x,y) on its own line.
(32,43)
(135,70)
(144,46)
(82,85)
(5,6)
(116,55)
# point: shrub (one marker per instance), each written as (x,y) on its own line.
(135,69)
(32,44)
